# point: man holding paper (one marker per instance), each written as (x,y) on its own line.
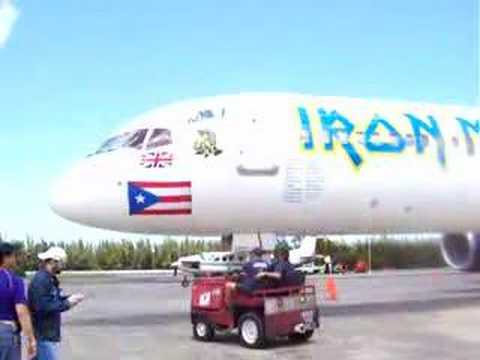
(47,302)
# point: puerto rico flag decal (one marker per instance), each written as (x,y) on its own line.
(160,198)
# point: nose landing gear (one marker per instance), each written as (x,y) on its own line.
(185,282)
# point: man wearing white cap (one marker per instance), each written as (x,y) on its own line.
(47,302)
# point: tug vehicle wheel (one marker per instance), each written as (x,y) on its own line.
(251,330)
(203,331)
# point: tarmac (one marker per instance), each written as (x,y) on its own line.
(433,314)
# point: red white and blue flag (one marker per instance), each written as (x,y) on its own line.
(153,160)
(160,197)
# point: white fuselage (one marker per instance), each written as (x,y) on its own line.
(283,163)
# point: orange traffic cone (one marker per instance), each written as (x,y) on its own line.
(331,288)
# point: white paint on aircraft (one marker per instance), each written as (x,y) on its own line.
(283,163)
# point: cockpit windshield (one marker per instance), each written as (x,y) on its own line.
(159,137)
(128,139)
(136,139)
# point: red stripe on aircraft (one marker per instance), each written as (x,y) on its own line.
(166,212)
(175,198)
(158,185)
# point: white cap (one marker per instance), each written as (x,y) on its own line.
(54,253)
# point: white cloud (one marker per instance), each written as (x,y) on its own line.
(8,16)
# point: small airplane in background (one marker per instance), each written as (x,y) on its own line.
(209,262)
(288,164)
(221,262)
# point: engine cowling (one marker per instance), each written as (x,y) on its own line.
(462,251)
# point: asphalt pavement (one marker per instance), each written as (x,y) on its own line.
(433,314)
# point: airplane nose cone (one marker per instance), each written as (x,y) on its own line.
(89,194)
(67,199)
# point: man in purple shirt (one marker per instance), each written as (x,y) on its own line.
(14,314)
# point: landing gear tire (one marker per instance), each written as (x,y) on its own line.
(203,331)
(301,337)
(252,331)
(185,282)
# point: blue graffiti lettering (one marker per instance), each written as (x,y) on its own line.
(433,130)
(346,128)
(396,146)
(466,126)
(307,130)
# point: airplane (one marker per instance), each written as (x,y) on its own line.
(222,262)
(230,261)
(209,262)
(287,164)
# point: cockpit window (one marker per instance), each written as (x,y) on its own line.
(137,139)
(159,137)
(133,139)
(113,143)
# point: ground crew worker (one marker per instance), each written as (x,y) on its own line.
(257,264)
(14,314)
(47,302)
(328,264)
(274,260)
(249,282)
(282,270)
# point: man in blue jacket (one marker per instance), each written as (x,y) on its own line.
(47,302)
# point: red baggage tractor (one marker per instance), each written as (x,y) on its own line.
(259,317)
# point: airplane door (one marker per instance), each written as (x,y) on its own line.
(281,188)
(257,151)
(257,167)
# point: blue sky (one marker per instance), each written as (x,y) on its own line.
(71,71)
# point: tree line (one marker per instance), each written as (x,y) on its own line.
(385,253)
(145,254)
(115,255)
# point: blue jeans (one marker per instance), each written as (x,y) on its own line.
(47,350)
(10,348)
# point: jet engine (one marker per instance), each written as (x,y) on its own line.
(462,251)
